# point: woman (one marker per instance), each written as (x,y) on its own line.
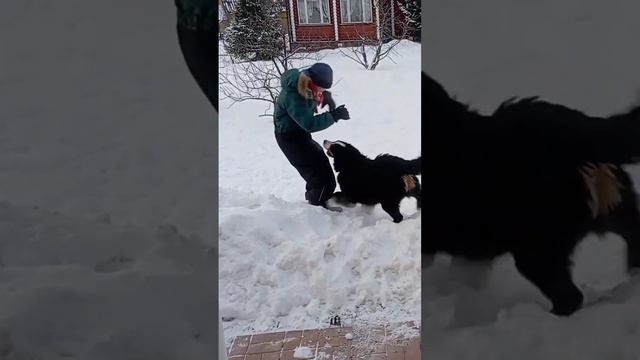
(296,117)
(198,38)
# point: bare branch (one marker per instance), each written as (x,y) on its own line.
(370,53)
(256,80)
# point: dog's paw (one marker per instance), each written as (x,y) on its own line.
(340,199)
(427,260)
(633,272)
(333,208)
(333,202)
(593,296)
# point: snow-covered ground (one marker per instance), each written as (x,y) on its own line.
(107,185)
(579,53)
(290,265)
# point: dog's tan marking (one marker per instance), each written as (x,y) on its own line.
(604,188)
(409,182)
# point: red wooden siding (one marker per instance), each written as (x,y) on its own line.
(315,33)
(356,31)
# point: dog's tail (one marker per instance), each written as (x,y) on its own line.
(618,138)
(412,167)
(396,165)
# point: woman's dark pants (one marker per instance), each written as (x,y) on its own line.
(308,157)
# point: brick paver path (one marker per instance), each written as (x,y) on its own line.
(374,343)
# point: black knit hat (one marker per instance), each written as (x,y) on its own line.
(321,74)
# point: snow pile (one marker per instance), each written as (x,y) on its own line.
(89,289)
(105,142)
(576,53)
(285,264)
(303,352)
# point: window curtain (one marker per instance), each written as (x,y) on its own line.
(344,10)
(355,11)
(325,11)
(302,12)
(315,11)
(367,11)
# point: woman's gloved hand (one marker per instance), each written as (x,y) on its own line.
(340,113)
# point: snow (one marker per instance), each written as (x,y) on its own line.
(107,185)
(285,264)
(578,53)
(303,352)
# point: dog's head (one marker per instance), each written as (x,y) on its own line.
(343,154)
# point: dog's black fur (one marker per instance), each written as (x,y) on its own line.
(373,181)
(510,183)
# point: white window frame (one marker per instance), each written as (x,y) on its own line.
(306,14)
(348,13)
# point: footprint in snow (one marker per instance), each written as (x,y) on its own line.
(114,264)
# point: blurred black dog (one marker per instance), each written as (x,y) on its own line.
(385,180)
(530,180)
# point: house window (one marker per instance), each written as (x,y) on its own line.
(356,11)
(314,12)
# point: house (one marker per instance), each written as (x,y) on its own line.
(336,23)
